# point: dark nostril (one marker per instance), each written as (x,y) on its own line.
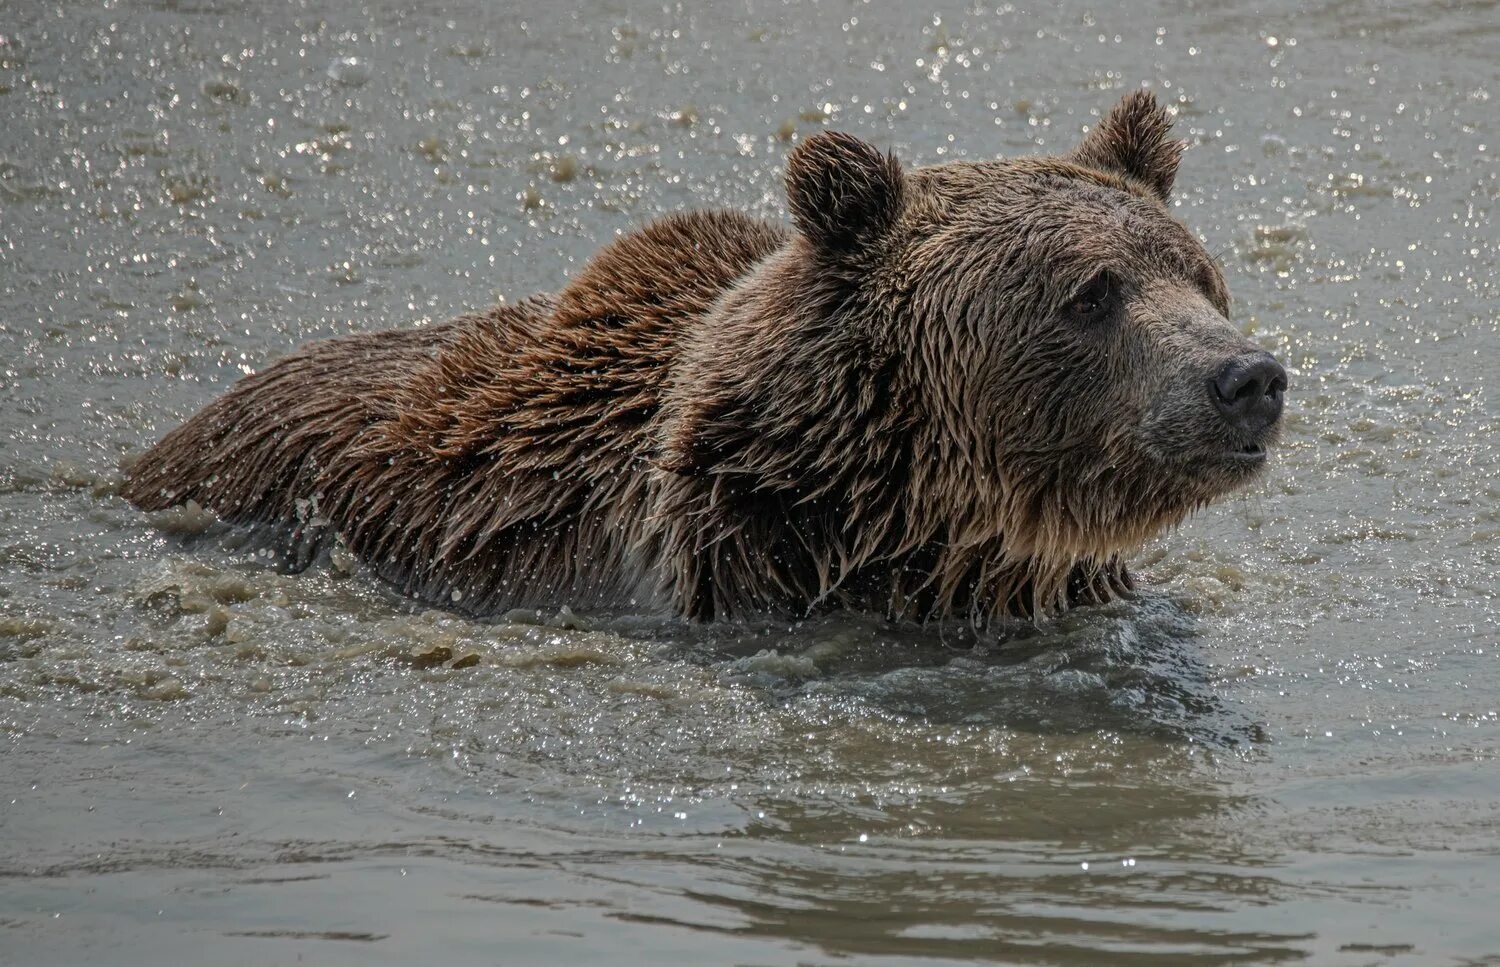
(1248,390)
(1248,377)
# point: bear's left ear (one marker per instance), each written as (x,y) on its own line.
(1132,140)
(843,192)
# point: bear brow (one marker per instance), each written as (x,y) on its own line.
(1197,265)
(1174,244)
(1140,244)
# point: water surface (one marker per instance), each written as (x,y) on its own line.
(1284,750)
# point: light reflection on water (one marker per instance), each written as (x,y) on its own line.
(1284,749)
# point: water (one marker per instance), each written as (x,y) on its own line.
(1284,749)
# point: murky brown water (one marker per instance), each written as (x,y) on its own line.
(1285,749)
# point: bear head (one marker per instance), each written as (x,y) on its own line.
(1026,366)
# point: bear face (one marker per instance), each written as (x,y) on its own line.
(1094,337)
(1024,366)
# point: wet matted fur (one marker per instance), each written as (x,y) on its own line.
(897,404)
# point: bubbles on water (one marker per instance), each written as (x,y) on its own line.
(349,72)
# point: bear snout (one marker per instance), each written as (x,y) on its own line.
(1247,391)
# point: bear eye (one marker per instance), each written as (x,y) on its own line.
(1092,302)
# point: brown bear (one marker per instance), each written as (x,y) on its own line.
(969,389)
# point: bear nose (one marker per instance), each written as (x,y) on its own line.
(1248,391)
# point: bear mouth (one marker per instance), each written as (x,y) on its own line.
(1251,453)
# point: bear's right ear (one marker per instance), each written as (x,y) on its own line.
(843,192)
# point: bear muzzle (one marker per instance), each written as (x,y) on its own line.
(1248,392)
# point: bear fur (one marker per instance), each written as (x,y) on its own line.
(968,390)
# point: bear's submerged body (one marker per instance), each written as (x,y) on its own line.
(499,460)
(721,417)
